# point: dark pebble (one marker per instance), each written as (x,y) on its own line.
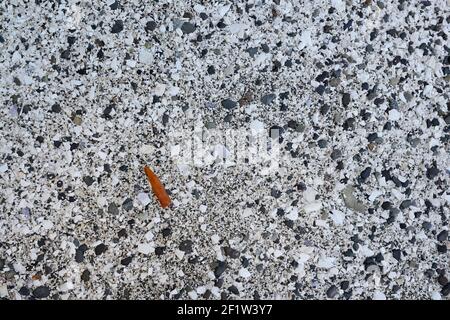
(446,290)
(332,291)
(365,174)
(324,109)
(127,205)
(221,267)
(432,172)
(405,204)
(336,154)
(442,236)
(442,248)
(150,26)
(86,275)
(229,104)
(99,249)
(372,137)
(268,98)
(320,89)
(113,209)
(56,108)
(115,5)
(322,143)
(24,291)
(159,251)
(427,225)
(345,284)
(186,246)
(397,254)
(233,290)
(79,253)
(41,292)
(232,253)
(126,261)
(442,280)
(122,233)
(294,125)
(211,70)
(65,54)
(187,27)
(345,99)
(275,193)
(166,232)
(117,27)
(88,180)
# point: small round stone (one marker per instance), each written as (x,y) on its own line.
(41,292)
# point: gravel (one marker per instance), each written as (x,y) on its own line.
(352,201)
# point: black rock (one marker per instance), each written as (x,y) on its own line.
(265,48)
(88,180)
(275,193)
(332,291)
(372,137)
(24,291)
(115,5)
(280,212)
(427,225)
(71,40)
(101,248)
(56,108)
(122,233)
(211,70)
(322,143)
(294,125)
(150,26)
(221,267)
(187,27)
(229,104)
(432,172)
(345,284)
(232,253)
(397,254)
(233,290)
(324,109)
(446,290)
(186,246)
(345,99)
(79,254)
(113,209)
(386,205)
(166,232)
(159,251)
(65,54)
(336,154)
(41,292)
(268,98)
(301,186)
(126,261)
(442,236)
(86,275)
(365,174)
(117,26)
(127,205)
(252,51)
(405,204)
(442,248)
(442,280)
(320,89)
